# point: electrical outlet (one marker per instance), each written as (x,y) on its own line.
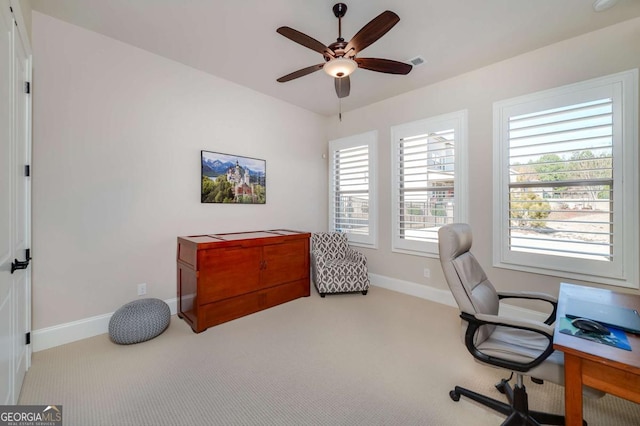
(427,273)
(142,289)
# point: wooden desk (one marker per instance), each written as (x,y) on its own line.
(612,370)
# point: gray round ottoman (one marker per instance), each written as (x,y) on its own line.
(139,321)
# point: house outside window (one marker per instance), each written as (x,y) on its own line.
(566,181)
(353,189)
(429,162)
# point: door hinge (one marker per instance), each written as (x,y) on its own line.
(27,170)
(27,254)
(27,340)
(27,87)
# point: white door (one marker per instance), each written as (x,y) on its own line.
(6,214)
(22,208)
(15,119)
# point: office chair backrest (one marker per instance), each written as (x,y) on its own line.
(469,285)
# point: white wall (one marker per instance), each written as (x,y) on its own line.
(607,51)
(26,10)
(116,168)
(117,137)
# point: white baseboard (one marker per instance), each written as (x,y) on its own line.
(445,297)
(61,334)
(413,289)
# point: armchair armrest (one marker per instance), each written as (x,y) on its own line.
(355,256)
(475,322)
(531,295)
(318,259)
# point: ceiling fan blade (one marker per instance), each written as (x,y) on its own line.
(343,86)
(371,32)
(300,73)
(384,65)
(305,40)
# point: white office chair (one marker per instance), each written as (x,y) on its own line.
(524,347)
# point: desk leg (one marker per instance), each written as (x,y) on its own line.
(572,390)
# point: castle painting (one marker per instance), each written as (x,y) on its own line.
(232,179)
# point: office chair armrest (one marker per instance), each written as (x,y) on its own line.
(528,295)
(531,295)
(521,323)
(475,322)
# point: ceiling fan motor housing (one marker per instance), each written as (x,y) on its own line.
(338,48)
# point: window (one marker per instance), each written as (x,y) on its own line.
(429,180)
(566,181)
(352,188)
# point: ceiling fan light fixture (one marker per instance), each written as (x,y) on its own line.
(340,67)
(600,5)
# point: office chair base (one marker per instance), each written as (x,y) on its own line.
(517,411)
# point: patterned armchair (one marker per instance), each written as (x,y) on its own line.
(336,267)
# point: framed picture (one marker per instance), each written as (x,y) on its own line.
(232,179)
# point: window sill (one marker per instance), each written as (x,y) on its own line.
(617,282)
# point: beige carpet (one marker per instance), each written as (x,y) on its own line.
(381,359)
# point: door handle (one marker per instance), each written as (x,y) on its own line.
(19,265)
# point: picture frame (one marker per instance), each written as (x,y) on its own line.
(232,179)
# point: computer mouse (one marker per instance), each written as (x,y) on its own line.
(591,326)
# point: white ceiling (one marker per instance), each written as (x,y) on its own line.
(237,39)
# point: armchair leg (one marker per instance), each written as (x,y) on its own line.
(364,292)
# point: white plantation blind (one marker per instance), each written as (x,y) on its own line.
(561,181)
(350,179)
(426,195)
(566,176)
(352,189)
(429,191)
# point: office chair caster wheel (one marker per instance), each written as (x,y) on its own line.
(502,384)
(454,395)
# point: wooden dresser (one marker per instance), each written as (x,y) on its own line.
(222,277)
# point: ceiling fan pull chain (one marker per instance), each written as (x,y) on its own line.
(340,109)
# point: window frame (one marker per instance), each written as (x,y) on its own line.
(369,139)
(458,121)
(622,271)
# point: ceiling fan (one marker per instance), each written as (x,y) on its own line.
(341,57)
